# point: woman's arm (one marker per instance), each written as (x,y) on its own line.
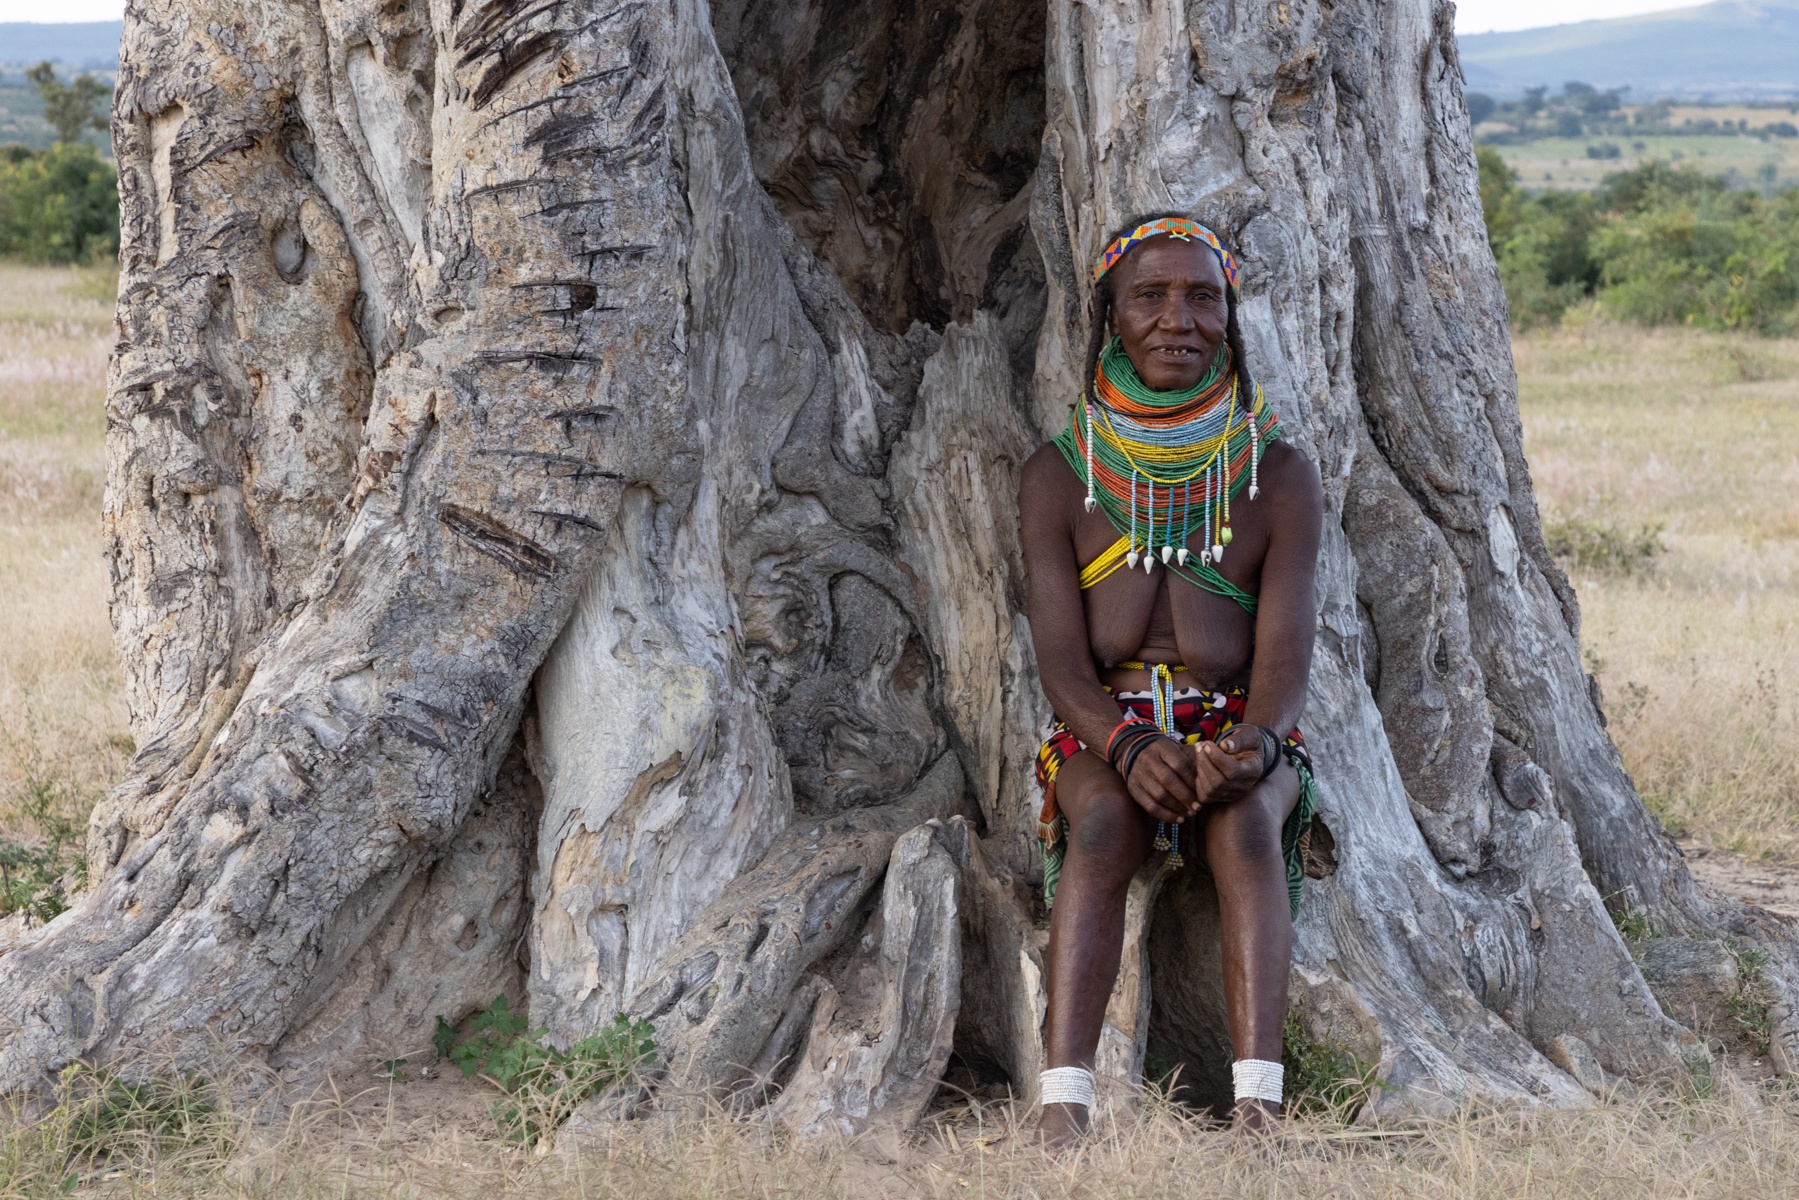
(1286,624)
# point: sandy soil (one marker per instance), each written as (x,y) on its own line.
(1766,885)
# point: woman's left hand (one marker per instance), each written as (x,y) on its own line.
(1229,768)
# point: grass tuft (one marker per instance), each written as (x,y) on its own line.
(1325,1079)
(543,1085)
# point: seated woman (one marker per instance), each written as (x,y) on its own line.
(1170,537)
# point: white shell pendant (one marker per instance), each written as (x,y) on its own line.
(1167,553)
(1131,559)
(1217,553)
(1089,503)
(1149,564)
(1181,555)
(1254,491)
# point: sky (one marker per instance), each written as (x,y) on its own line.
(1482,16)
(1472,16)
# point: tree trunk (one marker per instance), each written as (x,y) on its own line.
(570,451)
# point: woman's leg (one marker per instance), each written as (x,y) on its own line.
(1108,839)
(1243,847)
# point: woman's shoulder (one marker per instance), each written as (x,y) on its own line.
(1047,470)
(1288,475)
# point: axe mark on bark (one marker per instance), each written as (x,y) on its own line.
(516,553)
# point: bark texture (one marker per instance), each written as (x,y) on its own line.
(562,513)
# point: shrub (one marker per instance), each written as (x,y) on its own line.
(543,1085)
(59,205)
(1602,547)
(1657,244)
(1325,1078)
(36,879)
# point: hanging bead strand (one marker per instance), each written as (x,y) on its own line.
(1255,456)
(1186,524)
(1149,541)
(1087,408)
(1131,557)
(1205,552)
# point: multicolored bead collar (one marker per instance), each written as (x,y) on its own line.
(1174,227)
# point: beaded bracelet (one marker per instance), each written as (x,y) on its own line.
(1135,749)
(1112,738)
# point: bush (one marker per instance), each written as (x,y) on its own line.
(59,205)
(543,1085)
(1539,242)
(1657,244)
(1603,547)
(36,880)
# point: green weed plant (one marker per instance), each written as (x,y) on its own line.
(543,1085)
(1325,1079)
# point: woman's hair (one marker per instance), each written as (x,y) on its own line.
(1102,313)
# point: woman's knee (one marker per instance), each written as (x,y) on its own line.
(1111,832)
(1245,833)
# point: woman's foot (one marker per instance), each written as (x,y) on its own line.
(1258,1118)
(1062,1125)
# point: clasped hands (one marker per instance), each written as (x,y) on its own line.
(1171,780)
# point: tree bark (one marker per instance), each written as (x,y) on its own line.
(570,451)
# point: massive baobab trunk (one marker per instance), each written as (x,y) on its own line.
(562,511)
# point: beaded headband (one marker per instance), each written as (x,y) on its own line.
(1174,227)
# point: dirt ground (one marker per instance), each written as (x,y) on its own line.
(1772,886)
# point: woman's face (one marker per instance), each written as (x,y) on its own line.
(1169,310)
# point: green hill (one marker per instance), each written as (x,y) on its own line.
(1730,50)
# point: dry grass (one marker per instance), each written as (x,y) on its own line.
(63,733)
(1696,648)
(187,1140)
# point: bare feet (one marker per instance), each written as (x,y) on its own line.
(1062,1125)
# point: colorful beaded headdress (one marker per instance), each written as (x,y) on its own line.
(1175,227)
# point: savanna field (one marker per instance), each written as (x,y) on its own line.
(1667,463)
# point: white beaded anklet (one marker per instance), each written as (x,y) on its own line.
(1257,1079)
(1067,1085)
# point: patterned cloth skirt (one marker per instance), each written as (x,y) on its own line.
(1194,715)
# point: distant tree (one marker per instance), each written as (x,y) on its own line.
(58,205)
(69,107)
(1480,107)
(1575,92)
(1567,124)
(1534,99)
(1610,100)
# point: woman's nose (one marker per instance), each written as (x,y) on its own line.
(1174,315)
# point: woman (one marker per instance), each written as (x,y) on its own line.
(1170,537)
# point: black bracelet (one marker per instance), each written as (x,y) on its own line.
(1136,747)
(1271,749)
(1123,736)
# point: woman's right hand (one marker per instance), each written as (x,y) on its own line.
(1162,780)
